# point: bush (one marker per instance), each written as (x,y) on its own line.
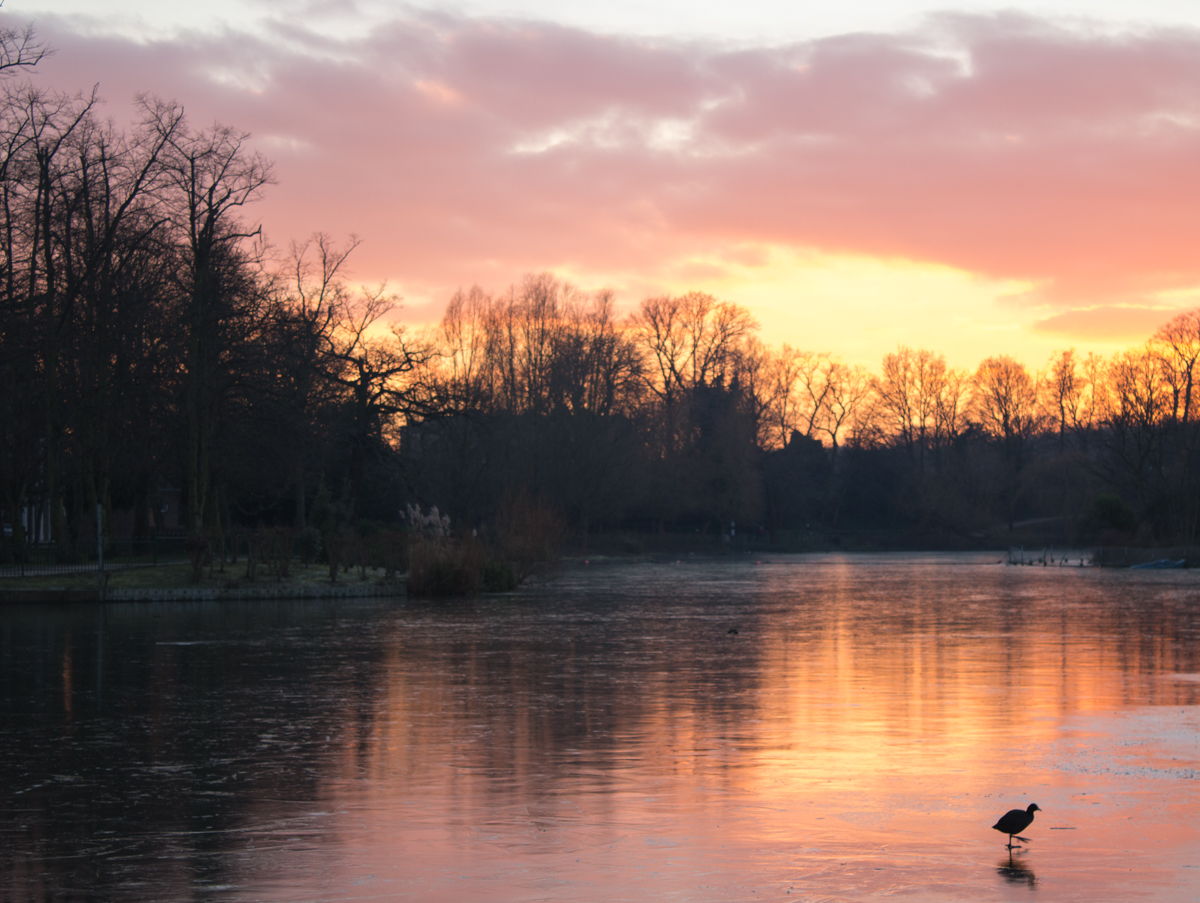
(528,534)
(199,553)
(274,548)
(1109,514)
(389,550)
(308,545)
(441,566)
(499,577)
(341,550)
(630,545)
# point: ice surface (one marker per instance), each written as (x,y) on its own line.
(605,737)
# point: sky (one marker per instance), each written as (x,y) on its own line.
(972,178)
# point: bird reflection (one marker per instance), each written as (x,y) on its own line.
(1014,871)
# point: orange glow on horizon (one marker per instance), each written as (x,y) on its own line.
(860,308)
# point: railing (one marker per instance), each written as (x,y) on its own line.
(48,559)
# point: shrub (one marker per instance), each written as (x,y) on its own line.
(630,545)
(441,566)
(390,550)
(278,545)
(499,577)
(528,534)
(199,553)
(341,549)
(1109,514)
(308,545)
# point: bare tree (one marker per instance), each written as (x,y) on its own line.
(1075,396)
(372,361)
(212,174)
(910,390)
(41,169)
(692,340)
(847,395)
(1177,343)
(1005,399)
(109,230)
(20,49)
(596,364)
(463,379)
(1137,405)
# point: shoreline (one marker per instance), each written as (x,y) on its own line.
(29,596)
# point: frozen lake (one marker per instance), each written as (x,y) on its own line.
(606,737)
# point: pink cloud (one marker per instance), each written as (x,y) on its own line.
(465,150)
(1106,324)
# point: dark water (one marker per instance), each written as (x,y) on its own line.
(606,737)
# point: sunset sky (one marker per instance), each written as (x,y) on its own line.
(967,178)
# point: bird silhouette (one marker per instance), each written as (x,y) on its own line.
(1015,821)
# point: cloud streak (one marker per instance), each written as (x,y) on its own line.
(462,150)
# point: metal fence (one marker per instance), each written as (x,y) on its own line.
(47,559)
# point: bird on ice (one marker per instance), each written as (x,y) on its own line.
(1015,821)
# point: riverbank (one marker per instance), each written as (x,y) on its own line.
(171,583)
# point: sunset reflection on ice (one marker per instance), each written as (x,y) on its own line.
(605,737)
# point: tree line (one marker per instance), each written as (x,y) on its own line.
(677,417)
(150,339)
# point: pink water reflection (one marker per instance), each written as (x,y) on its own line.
(607,738)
